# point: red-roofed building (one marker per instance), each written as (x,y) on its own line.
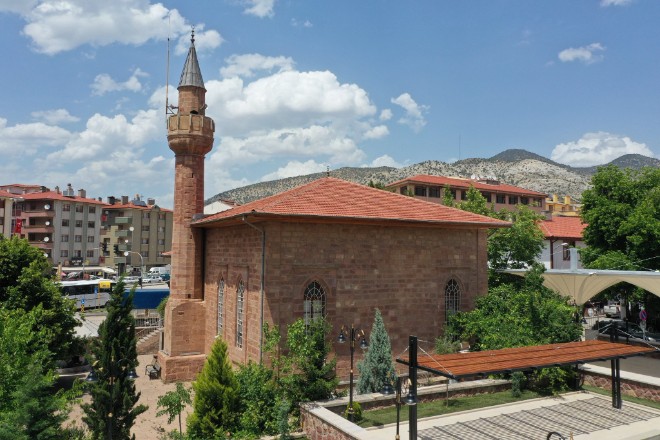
(561,235)
(65,225)
(501,196)
(139,227)
(330,248)
(7,213)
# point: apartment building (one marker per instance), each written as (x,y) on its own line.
(7,213)
(64,225)
(563,206)
(499,195)
(137,227)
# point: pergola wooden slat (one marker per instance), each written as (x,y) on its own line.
(483,363)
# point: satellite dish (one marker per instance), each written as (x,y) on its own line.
(125,253)
(46,239)
(47,223)
(46,206)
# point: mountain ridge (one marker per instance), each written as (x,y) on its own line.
(514,166)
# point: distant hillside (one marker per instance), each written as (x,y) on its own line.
(515,167)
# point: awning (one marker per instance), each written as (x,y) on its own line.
(584,284)
(89,269)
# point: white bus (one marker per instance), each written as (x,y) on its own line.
(88,293)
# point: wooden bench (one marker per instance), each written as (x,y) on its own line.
(153,370)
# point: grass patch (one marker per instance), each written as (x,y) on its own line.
(384,416)
(637,400)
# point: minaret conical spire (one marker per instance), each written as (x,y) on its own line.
(191,74)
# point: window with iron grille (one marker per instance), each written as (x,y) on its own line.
(434,191)
(239,314)
(79,208)
(221,306)
(452,298)
(314,302)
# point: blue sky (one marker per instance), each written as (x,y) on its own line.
(297,86)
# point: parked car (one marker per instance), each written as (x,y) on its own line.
(152,279)
(633,331)
(130,281)
(612,310)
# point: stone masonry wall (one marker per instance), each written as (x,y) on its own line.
(628,387)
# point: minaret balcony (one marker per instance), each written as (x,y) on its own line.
(190,124)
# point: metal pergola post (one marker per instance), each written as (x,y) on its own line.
(412,374)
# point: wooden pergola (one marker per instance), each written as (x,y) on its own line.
(484,363)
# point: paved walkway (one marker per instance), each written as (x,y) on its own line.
(583,415)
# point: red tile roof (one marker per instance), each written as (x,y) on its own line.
(52,195)
(332,198)
(456,182)
(131,205)
(563,227)
(5,194)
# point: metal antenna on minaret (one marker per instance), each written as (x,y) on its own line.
(192,35)
(167,73)
(327,170)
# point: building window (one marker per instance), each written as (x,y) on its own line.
(79,208)
(91,224)
(78,238)
(239,313)
(78,223)
(513,200)
(453,193)
(161,229)
(65,239)
(486,195)
(403,190)
(90,254)
(434,191)
(65,222)
(90,239)
(145,228)
(66,207)
(145,241)
(161,216)
(221,305)
(524,200)
(146,215)
(92,210)
(567,250)
(145,254)
(77,254)
(420,191)
(452,298)
(464,194)
(500,198)
(314,302)
(161,242)
(64,253)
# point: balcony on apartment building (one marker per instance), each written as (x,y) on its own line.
(123,220)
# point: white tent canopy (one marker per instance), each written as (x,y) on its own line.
(583,284)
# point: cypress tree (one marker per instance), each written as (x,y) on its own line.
(215,406)
(113,410)
(377,368)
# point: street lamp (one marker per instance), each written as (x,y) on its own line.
(410,399)
(355,333)
(141,263)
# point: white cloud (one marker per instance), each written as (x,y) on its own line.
(377,132)
(56,26)
(586,54)
(414,117)
(295,168)
(23,140)
(54,117)
(306,23)
(18,7)
(246,65)
(103,83)
(205,41)
(260,8)
(596,149)
(384,161)
(606,3)
(385,115)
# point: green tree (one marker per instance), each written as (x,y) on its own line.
(30,408)
(258,402)
(173,403)
(25,284)
(516,247)
(215,406)
(113,409)
(377,367)
(308,374)
(448,196)
(475,202)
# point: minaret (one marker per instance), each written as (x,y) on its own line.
(190,137)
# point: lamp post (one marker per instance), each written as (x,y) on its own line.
(354,333)
(401,387)
(116,370)
(141,263)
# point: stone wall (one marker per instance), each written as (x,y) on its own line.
(628,387)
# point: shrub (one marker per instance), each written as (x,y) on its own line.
(357,412)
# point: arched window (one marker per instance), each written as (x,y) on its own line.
(314,302)
(221,305)
(240,292)
(452,298)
